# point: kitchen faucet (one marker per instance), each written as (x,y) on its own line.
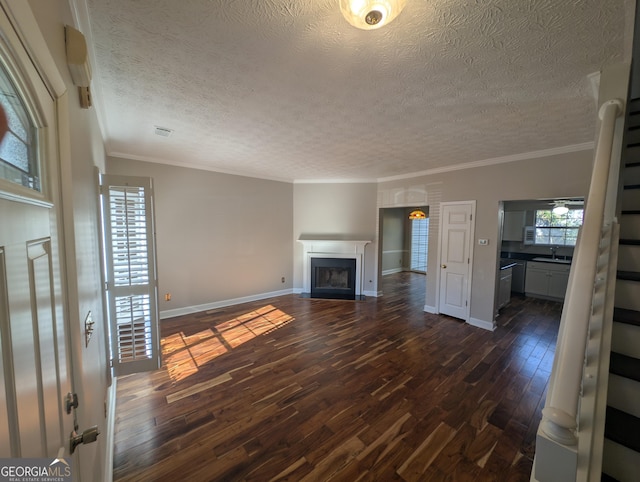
(553,251)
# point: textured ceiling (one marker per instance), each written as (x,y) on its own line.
(288,90)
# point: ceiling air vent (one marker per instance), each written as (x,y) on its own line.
(163,131)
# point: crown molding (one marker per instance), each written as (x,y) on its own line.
(192,165)
(585,146)
(336,181)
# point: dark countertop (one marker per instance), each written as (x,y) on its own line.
(526,256)
(518,256)
(544,259)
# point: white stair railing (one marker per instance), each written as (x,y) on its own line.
(556,444)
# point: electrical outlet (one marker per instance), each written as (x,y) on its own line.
(282,279)
(167,297)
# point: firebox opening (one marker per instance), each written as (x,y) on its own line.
(333,278)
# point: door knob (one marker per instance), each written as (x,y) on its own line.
(444,266)
(88,436)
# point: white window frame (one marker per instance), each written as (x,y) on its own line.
(11,190)
(548,228)
(131,275)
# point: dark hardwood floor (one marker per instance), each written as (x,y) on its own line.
(377,390)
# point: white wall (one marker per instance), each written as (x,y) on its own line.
(343,211)
(220,237)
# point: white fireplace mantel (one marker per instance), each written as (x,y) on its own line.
(333,248)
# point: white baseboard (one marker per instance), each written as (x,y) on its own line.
(221,304)
(111,426)
(392,271)
(485,325)
(430,309)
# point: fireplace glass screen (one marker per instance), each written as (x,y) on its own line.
(333,278)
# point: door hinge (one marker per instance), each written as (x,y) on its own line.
(470,217)
(71,401)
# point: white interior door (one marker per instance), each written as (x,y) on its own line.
(455,259)
(34,357)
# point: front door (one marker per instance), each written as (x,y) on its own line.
(455,259)
(34,363)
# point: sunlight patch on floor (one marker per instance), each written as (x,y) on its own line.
(184,354)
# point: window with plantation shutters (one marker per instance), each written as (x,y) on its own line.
(131,275)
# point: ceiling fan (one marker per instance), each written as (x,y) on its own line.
(561,207)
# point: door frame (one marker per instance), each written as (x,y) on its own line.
(471,245)
(406,233)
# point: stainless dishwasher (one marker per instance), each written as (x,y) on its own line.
(519,272)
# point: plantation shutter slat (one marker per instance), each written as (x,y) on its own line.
(131,274)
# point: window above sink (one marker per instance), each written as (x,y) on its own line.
(557,229)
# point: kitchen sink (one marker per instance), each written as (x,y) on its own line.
(550,260)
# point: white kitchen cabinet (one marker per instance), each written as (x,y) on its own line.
(547,280)
(513,226)
(558,282)
(537,280)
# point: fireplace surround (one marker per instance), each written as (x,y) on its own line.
(333,256)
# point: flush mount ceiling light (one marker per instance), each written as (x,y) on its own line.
(560,208)
(417,214)
(370,14)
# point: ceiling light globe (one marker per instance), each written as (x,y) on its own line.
(370,14)
(560,210)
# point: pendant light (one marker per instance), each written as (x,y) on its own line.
(370,14)
(417,214)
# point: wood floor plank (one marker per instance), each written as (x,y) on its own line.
(417,464)
(299,389)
